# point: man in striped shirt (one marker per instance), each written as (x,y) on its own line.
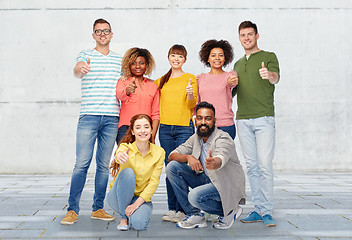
(99,69)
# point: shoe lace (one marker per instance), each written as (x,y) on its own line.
(269,217)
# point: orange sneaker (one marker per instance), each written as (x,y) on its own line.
(70,218)
(102,215)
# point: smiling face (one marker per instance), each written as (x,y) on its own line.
(142,130)
(103,39)
(248,39)
(138,67)
(216,58)
(176,60)
(205,122)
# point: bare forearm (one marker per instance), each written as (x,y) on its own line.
(273,77)
(178,157)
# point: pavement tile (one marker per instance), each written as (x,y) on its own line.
(307,206)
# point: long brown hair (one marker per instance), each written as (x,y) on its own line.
(175,49)
(129,137)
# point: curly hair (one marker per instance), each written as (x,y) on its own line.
(211,44)
(131,56)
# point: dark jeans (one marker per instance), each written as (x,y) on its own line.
(121,133)
(230,130)
(170,137)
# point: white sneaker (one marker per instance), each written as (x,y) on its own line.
(193,221)
(169,215)
(224,222)
(239,212)
(179,216)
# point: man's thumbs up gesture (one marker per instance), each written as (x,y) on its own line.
(85,67)
(264,73)
(123,157)
(212,163)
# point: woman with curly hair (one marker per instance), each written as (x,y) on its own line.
(137,93)
(136,171)
(178,97)
(215,87)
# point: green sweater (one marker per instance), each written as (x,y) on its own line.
(255,96)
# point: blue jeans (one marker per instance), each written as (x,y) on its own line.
(122,194)
(91,128)
(181,177)
(230,130)
(257,138)
(170,137)
(121,133)
(207,198)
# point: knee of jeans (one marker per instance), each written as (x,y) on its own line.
(193,198)
(171,168)
(139,224)
(128,172)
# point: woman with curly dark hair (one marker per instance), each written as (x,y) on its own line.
(137,93)
(215,87)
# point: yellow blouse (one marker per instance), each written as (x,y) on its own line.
(147,169)
(175,108)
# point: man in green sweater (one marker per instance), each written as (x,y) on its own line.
(257,71)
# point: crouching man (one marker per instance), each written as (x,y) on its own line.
(208,164)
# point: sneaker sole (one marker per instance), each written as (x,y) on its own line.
(202,225)
(104,219)
(68,223)
(251,221)
(166,219)
(271,225)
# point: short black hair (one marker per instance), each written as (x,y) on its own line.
(205,105)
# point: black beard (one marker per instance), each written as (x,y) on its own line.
(206,133)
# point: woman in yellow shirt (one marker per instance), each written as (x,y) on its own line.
(178,97)
(136,170)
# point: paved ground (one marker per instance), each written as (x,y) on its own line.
(307,206)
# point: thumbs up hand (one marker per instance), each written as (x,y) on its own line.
(85,68)
(131,88)
(189,88)
(233,80)
(123,157)
(210,161)
(264,73)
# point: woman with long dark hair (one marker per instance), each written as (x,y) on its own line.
(178,97)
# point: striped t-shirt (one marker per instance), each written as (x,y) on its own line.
(98,86)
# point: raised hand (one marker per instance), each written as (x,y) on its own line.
(123,157)
(210,161)
(264,73)
(233,80)
(131,88)
(85,68)
(189,88)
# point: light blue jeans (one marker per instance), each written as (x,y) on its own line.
(182,177)
(257,138)
(122,194)
(91,128)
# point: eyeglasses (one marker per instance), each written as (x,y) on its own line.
(99,32)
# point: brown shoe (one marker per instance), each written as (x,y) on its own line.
(102,215)
(70,218)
